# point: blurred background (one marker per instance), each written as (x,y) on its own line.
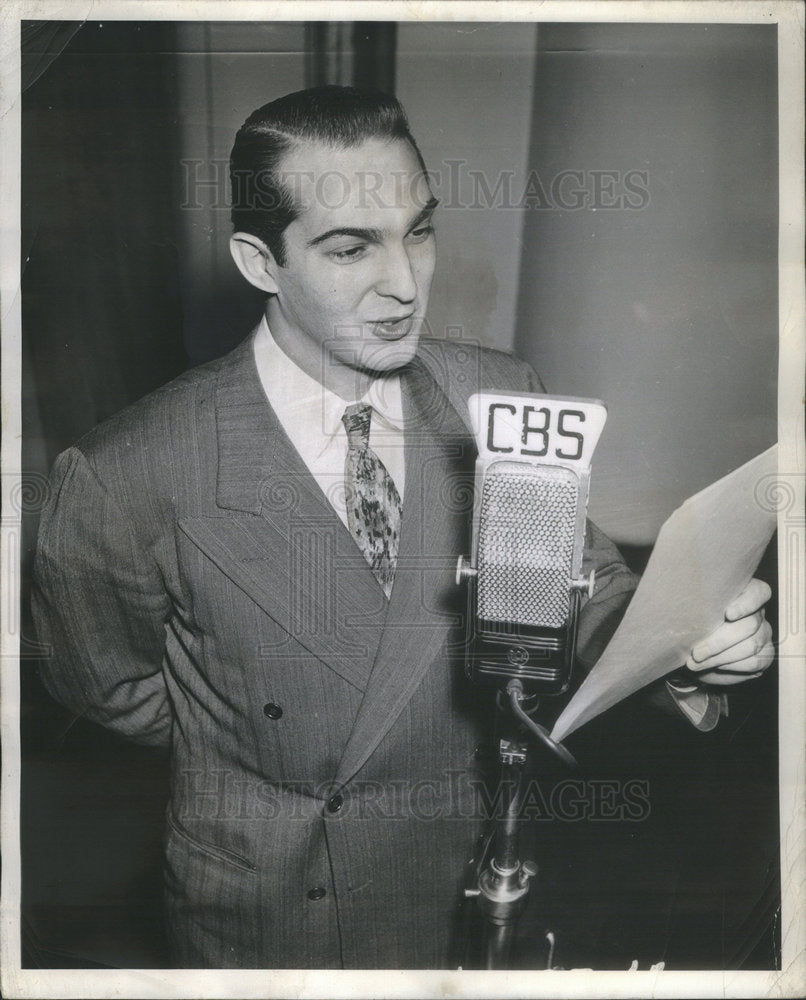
(609,212)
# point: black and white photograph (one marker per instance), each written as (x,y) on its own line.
(403,499)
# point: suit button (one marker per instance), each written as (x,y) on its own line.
(318,892)
(272,711)
(335,804)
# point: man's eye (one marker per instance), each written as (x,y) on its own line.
(347,254)
(421,233)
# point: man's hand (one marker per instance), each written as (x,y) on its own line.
(741,648)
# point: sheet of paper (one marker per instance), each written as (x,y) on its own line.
(705,555)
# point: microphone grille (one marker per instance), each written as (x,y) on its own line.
(526,544)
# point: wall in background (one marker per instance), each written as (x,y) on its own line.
(668,311)
(225,70)
(467,89)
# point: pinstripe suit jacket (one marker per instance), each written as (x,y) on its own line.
(199,591)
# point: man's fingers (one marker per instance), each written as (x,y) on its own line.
(724,678)
(724,638)
(741,648)
(745,652)
(747,659)
(754,596)
(737,673)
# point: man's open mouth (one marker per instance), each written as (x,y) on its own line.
(393,327)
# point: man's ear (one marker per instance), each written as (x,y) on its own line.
(254,260)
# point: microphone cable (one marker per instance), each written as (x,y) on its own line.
(516,695)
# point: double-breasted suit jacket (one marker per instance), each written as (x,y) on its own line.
(198,591)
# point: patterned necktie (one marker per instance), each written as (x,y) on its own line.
(373,503)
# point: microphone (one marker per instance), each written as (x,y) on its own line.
(532,481)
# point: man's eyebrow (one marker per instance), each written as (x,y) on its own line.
(368,235)
(372,235)
(428,209)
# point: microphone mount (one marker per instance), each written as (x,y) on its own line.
(503,884)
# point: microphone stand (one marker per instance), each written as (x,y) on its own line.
(503,884)
(528,529)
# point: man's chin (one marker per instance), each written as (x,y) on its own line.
(387,356)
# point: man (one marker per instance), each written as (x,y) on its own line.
(254,566)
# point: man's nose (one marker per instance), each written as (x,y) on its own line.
(397,279)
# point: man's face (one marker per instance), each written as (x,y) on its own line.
(359,259)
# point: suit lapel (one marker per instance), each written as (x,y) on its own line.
(275,535)
(422,607)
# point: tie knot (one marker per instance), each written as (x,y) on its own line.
(356,420)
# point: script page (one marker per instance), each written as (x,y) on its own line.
(705,555)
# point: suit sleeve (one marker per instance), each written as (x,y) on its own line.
(100,605)
(614,585)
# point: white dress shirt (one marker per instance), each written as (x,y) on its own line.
(311,414)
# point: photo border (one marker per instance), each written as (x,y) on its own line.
(790,980)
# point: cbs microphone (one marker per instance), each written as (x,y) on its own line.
(525,588)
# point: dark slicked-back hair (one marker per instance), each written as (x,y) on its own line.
(336,116)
